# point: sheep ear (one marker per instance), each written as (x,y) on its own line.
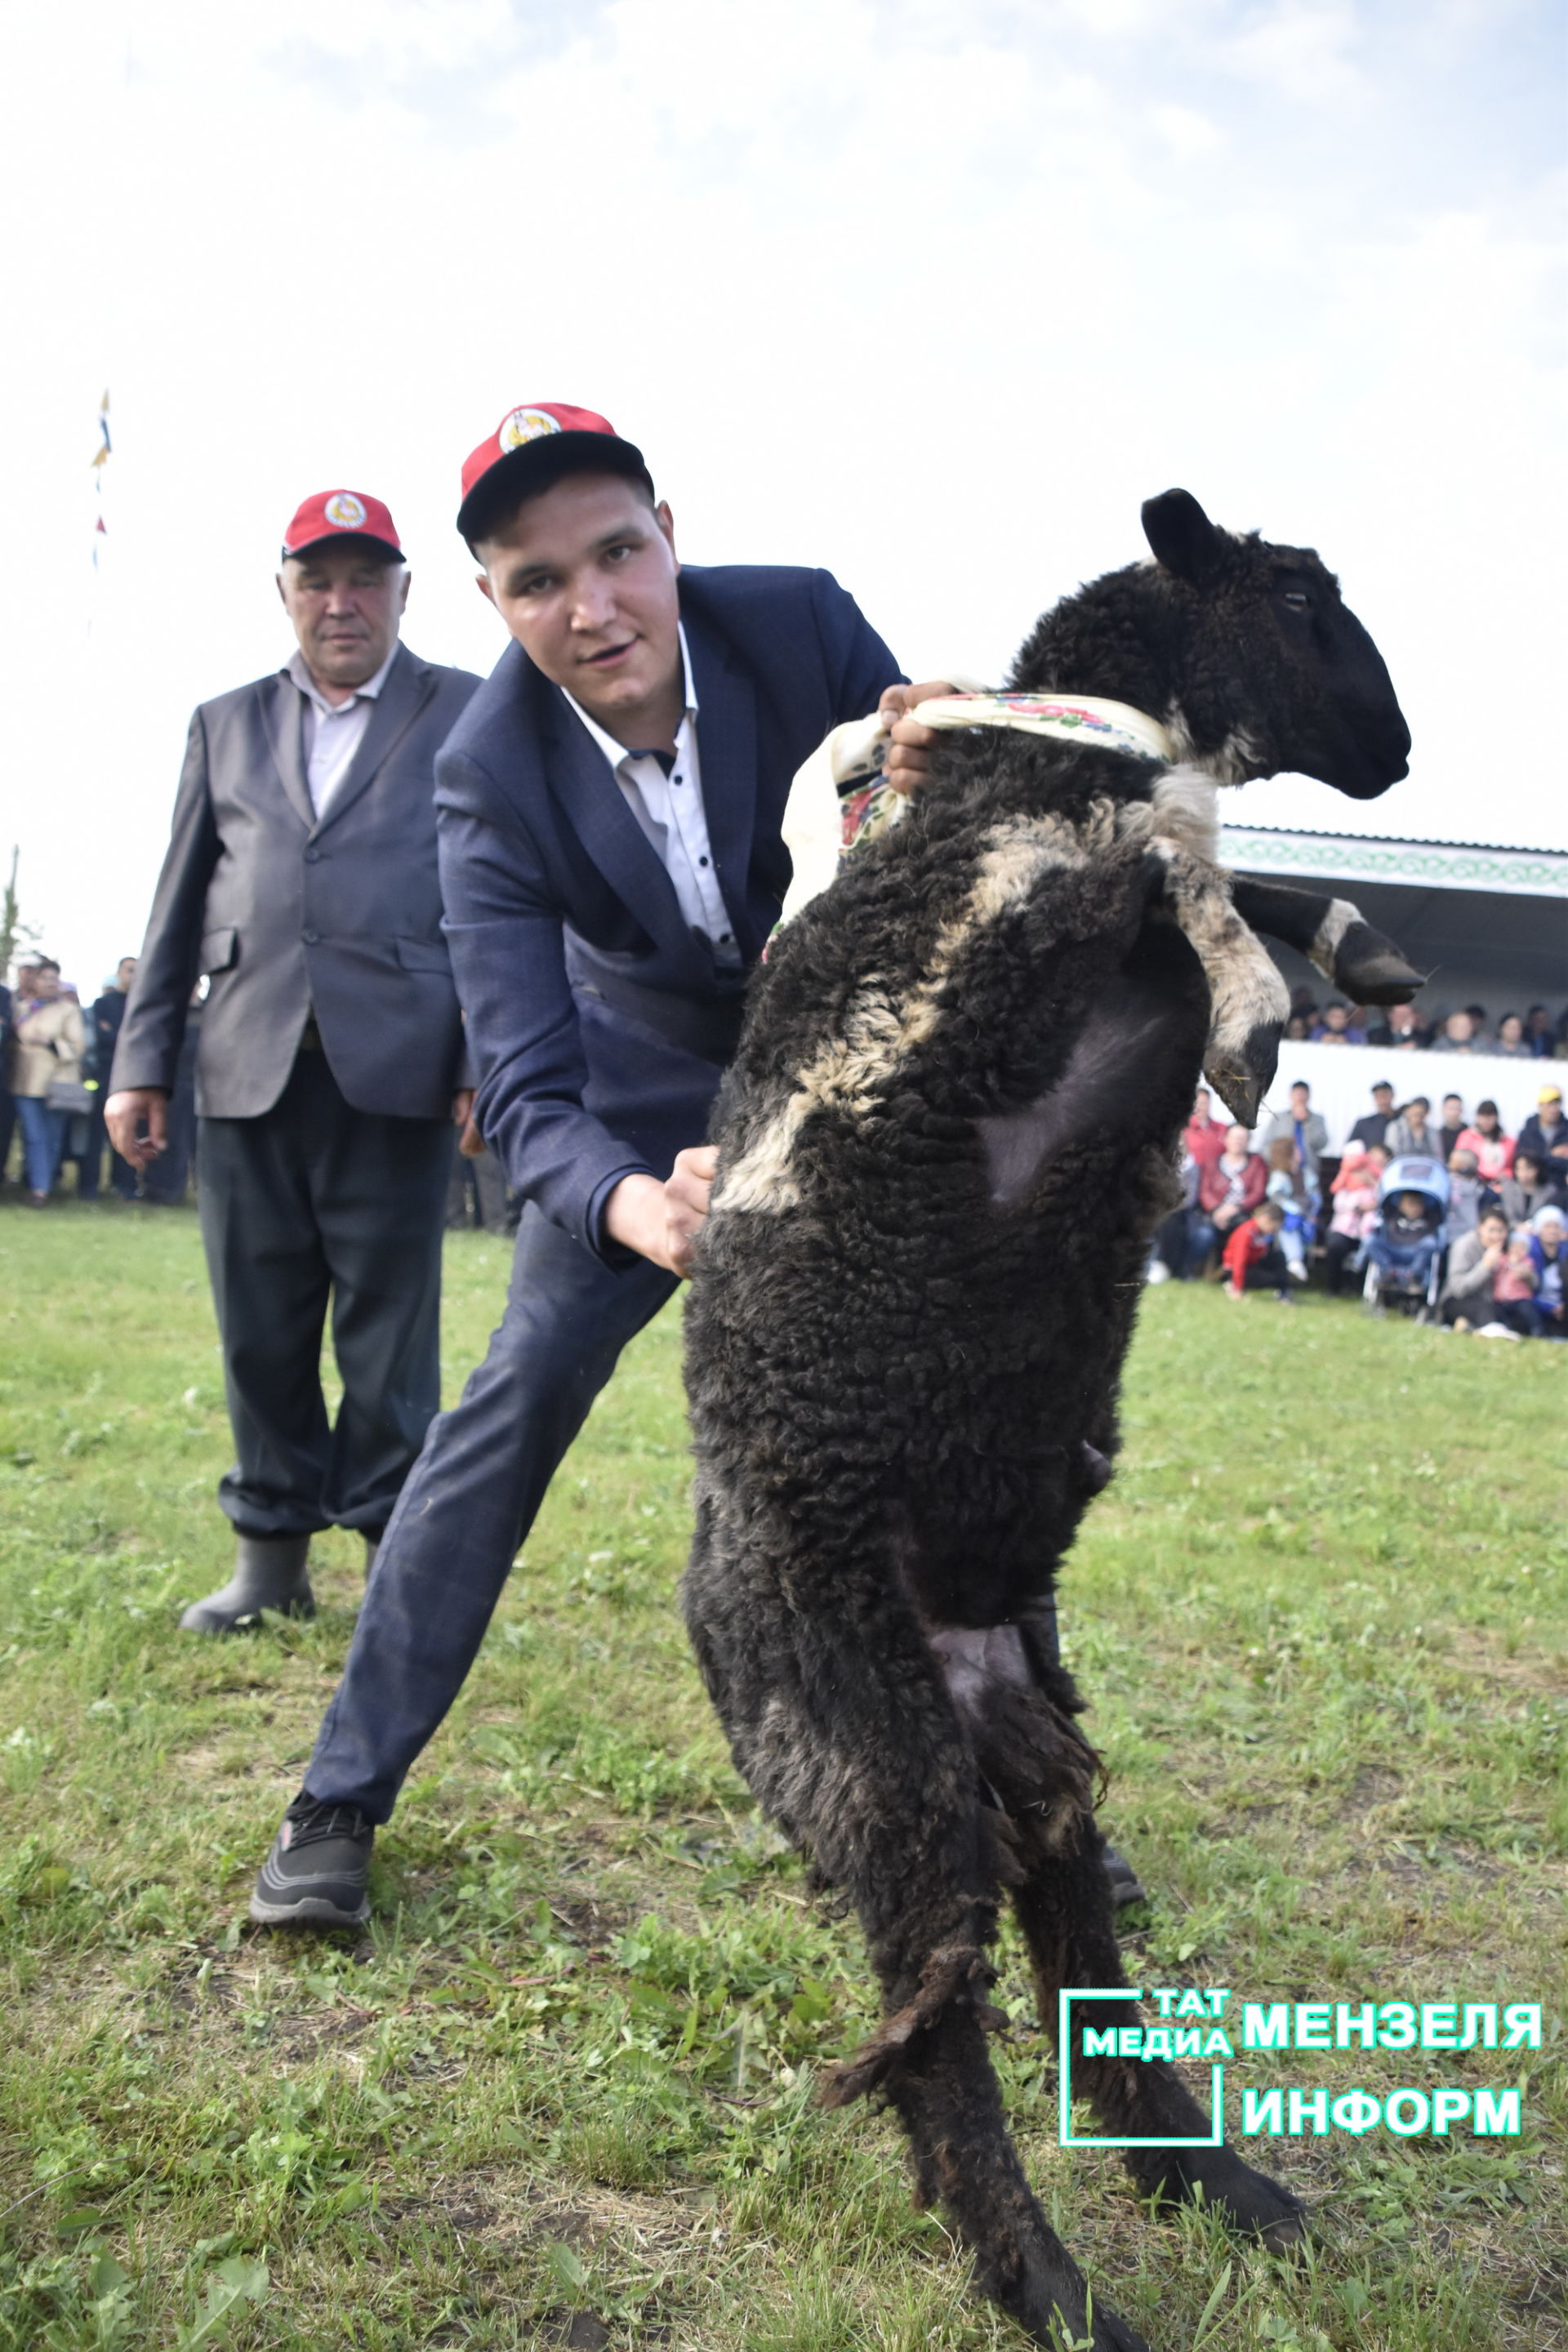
(1181,536)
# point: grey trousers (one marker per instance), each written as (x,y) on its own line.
(316,1203)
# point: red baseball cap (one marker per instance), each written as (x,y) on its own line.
(340,514)
(531,447)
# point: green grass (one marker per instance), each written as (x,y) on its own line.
(561,2093)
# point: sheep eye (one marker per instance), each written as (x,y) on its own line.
(1298,599)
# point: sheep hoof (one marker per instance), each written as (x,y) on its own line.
(1242,1073)
(1058,2309)
(1245,2201)
(1369,970)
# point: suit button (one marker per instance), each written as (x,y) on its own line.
(311,939)
(313,857)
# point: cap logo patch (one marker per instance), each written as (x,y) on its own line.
(526,424)
(344,511)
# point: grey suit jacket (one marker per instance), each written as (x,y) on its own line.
(290,914)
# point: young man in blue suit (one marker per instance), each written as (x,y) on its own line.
(609,815)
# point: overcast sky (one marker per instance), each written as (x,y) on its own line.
(932,294)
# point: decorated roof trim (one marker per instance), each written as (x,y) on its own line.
(1418,865)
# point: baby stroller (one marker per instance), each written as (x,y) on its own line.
(1405,1254)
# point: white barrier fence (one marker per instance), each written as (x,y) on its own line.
(1341,1078)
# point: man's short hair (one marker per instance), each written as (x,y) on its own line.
(508,503)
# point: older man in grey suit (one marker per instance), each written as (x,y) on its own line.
(302,878)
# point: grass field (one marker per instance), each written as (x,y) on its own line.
(560,2092)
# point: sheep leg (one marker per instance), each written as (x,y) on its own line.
(1064,1908)
(838,1715)
(1249,998)
(1331,933)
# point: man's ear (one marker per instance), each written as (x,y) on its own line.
(666,522)
(407,583)
(482,582)
(281,598)
(1181,536)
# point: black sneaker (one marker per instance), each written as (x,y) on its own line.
(315,1875)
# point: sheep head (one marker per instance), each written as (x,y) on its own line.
(1246,651)
(1274,670)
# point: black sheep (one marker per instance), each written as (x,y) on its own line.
(944,1146)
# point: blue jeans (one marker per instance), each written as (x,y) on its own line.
(43,1138)
(1203,1236)
(1413,1260)
(470,1502)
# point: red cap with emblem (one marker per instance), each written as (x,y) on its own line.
(530,448)
(340,514)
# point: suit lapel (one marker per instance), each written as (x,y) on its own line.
(408,686)
(282,718)
(727,755)
(593,800)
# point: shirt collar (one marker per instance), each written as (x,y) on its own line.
(296,668)
(616,753)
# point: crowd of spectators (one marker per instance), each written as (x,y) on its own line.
(55,1057)
(1267,1212)
(1530,1036)
(55,1060)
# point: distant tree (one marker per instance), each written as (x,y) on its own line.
(14,932)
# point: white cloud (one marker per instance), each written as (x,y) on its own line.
(1300,49)
(1184,130)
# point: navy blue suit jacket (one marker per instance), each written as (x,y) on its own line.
(591,1007)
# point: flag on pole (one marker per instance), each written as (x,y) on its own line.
(101,458)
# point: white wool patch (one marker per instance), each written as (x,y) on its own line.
(1186,812)
(1239,759)
(1245,989)
(849,1072)
(1325,946)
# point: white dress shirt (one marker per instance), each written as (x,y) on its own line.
(334,731)
(670,811)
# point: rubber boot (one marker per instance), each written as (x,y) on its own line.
(268,1574)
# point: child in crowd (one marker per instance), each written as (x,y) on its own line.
(1298,1201)
(1353,1219)
(1406,1242)
(1253,1257)
(1513,1287)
